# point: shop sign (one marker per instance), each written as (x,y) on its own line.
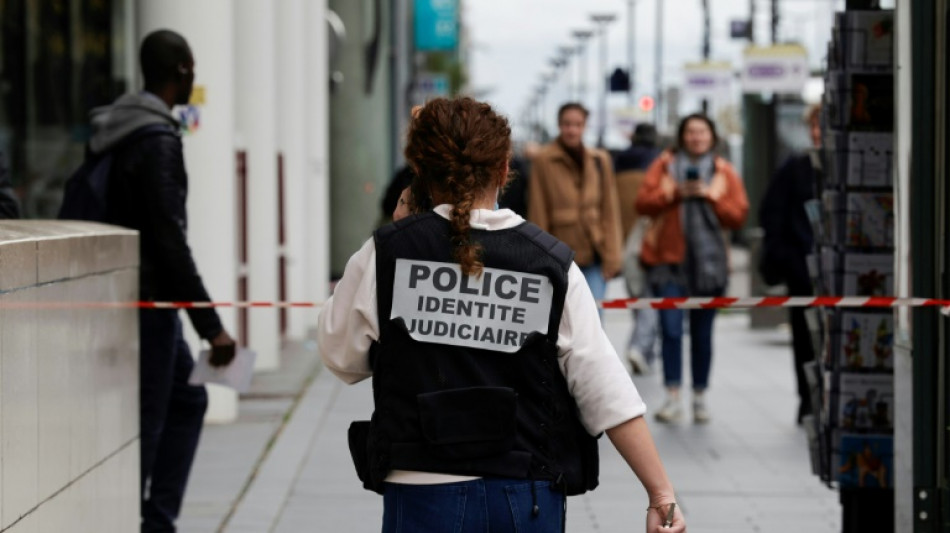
(436,25)
(708,80)
(776,69)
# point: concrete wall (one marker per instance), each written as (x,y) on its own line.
(69,445)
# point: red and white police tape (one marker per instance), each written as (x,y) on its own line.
(623,303)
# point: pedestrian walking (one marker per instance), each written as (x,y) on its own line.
(630,167)
(572,194)
(491,374)
(691,196)
(147,191)
(787,241)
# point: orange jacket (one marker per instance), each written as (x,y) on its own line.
(658,198)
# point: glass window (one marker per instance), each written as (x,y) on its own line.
(58,60)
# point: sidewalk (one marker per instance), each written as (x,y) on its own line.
(746,471)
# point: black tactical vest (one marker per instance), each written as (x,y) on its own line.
(475,392)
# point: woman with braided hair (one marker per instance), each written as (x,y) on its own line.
(491,374)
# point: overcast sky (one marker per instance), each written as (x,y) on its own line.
(512,41)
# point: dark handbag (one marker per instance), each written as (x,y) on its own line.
(707,269)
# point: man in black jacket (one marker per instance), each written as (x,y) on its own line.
(787,241)
(9,205)
(148,187)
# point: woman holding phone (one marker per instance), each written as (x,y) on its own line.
(691,196)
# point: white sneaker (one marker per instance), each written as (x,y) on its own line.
(700,412)
(671,411)
(638,363)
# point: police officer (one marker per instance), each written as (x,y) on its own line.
(491,373)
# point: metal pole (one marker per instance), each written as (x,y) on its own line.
(585,76)
(775,20)
(582,36)
(658,64)
(566,53)
(706,38)
(602,20)
(630,51)
(752,21)
(602,121)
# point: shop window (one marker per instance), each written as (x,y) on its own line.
(58,60)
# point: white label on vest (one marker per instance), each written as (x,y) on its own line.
(494,311)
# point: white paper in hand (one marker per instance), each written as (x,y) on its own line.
(236,375)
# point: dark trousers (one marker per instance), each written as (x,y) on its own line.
(700,336)
(171,415)
(802,346)
(496,505)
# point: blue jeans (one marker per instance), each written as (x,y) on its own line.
(598,285)
(700,335)
(171,415)
(645,329)
(477,506)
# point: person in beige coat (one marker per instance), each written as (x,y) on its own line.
(572,195)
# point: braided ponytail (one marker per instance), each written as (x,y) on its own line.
(457,147)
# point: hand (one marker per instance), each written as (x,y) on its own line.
(656,517)
(717,188)
(402,205)
(223,349)
(609,274)
(693,189)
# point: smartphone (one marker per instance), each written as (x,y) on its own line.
(692,174)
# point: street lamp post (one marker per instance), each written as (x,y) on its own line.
(582,36)
(706,49)
(658,63)
(602,20)
(541,90)
(631,62)
(566,53)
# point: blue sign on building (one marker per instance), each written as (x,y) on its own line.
(436,25)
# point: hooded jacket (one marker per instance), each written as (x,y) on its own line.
(148,188)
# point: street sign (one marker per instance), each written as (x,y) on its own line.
(430,85)
(712,80)
(778,69)
(739,28)
(436,25)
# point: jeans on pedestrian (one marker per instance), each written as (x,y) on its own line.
(594,275)
(171,415)
(700,335)
(496,505)
(645,330)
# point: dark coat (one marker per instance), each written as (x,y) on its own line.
(637,157)
(788,235)
(148,188)
(515,195)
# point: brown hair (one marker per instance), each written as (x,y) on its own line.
(681,131)
(458,148)
(572,106)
